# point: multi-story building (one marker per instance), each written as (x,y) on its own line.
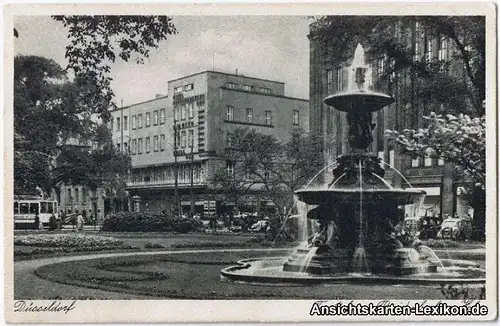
(328,77)
(188,130)
(77,198)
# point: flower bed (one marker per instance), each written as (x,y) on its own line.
(68,241)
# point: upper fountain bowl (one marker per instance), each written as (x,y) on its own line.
(369,101)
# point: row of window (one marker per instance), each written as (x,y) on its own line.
(137,122)
(158,118)
(185,88)
(76,199)
(186,110)
(185,139)
(428,162)
(167,174)
(268,116)
(136,145)
(442,55)
(248,88)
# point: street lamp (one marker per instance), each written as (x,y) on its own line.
(191,195)
(176,170)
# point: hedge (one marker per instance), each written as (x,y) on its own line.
(149,222)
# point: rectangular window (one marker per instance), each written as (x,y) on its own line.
(248,88)
(148,144)
(340,77)
(416,44)
(191,138)
(440,161)
(415,162)
(176,113)
(295,117)
(188,87)
(139,146)
(118,147)
(232,85)
(162,116)
(380,67)
(229,140)
(265,90)
(191,110)
(125,148)
(148,119)
(125,123)
(249,115)
(139,121)
(85,194)
(118,124)
(24,208)
(183,112)
(230,168)
(134,146)
(162,143)
(443,49)
(155,143)
(183,139)
(427,161)
(178,90)
(134,122)
(34,208)
(329,79)
(429,50)
(155,117)
(230,113)
(269,118)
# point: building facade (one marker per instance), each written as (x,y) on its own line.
(328,77)
(187,131)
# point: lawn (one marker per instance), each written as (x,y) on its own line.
(197,276)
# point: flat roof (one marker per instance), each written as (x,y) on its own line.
(128,106)
(227,74)
(264,94)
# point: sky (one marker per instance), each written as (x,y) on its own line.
(269,47)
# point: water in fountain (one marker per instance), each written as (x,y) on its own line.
(431,255)
(307,260)
(359,258)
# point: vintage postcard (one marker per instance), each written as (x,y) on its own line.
(250,163)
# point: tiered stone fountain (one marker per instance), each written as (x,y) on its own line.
(357,214)
(358,211)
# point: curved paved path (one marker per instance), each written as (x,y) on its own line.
(29,286)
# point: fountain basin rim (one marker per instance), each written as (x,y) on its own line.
(378,100)
(310,279)
(409,191)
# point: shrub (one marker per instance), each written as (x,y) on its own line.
(153,245)
(149,222)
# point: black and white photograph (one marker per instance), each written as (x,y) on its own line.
(253,162)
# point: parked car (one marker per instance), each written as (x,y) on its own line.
(456,229)
(421,227)
(260,226)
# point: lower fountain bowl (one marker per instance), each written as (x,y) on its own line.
(270,271)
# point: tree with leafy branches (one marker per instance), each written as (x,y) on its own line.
(276,169)
(388,38)
(43,95)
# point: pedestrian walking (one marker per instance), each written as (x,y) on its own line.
(79,223)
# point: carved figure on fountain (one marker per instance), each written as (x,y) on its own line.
(360,128)
(346,173)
